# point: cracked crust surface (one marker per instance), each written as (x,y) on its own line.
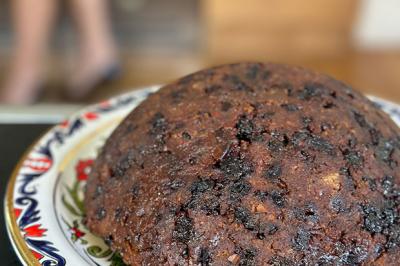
(250,164)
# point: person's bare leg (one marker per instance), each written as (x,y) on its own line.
(32,21)
(97,46)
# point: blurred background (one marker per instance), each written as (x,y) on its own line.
(56,56)
(157,41)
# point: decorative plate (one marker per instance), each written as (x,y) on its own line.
(44,200)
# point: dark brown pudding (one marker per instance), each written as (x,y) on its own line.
(250,164)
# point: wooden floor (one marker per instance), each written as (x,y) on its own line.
(376,73)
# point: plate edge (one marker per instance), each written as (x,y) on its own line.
(13,231)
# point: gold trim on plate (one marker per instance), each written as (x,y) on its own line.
(13,230)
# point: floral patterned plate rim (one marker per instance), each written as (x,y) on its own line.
(43,203)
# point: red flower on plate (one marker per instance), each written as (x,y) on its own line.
(34,231)
(90,115)
(64,123)
(17,213)
(83,169)
(37,255)
(78,233)
(105,104)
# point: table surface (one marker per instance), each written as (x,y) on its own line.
(14,140)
